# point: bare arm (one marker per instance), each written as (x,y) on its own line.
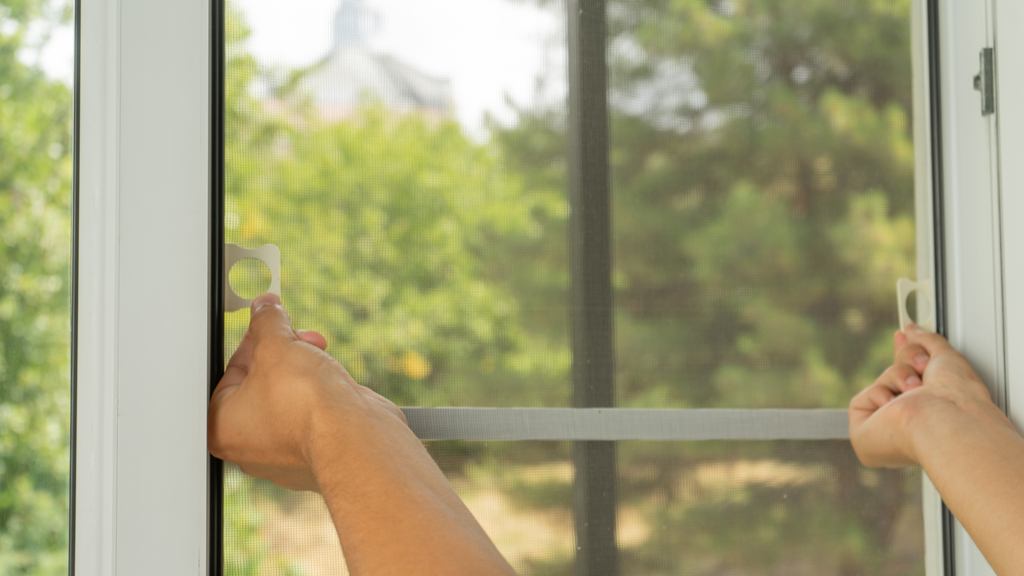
(930,408)
(288,412)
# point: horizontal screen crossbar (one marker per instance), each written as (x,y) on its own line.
(572,424)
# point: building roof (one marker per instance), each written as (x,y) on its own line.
(352,73)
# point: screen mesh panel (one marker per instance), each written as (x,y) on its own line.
(383,168)
(762,184)
(695,509)
(632,203)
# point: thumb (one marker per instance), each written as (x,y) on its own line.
(932,343)
(269,321)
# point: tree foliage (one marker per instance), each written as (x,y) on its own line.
(395,232)
(35,176)
(761,162)
(762,190)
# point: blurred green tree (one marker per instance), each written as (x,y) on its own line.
(394,230)
(762,188)
(762,181)
(388,225)
(35,193)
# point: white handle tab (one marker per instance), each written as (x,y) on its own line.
(269,254)
(925,303)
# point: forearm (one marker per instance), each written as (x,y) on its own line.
(975,458)
(394,510)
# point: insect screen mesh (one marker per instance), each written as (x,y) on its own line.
(413,162)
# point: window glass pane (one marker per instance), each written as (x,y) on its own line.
(701,509)
(36,72)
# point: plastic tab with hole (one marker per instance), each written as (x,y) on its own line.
(925,303)
(269,254)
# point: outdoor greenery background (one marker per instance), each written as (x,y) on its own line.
(762,187)
(35,194)
(758,228)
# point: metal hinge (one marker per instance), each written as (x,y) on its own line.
(985,81)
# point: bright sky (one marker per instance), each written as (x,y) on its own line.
(57,56)
(487,48)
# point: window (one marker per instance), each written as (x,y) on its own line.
(148,288)
(692,214)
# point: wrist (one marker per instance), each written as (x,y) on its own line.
(328,436)
(932,421)
(356,441)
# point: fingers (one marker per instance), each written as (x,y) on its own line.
(896,380)
(911,379)
(915,347)
(242,357)
(899,378)
(237,368)
(313,337)
(867,402)
(906,353)
(879,395)
(931,342)
(899,339)
(913,355)
(217,429)
(233,376)
(269,321)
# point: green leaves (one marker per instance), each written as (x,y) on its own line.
(387,223)
(762,189)
(35,193)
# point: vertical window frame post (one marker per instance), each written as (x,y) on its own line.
(971,252)
(590,237)
(143,288)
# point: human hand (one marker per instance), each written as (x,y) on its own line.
(277,389)
(288,412)
(927,382)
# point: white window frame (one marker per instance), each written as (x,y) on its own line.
(142,302)
(144,298)
(1009,119)
(978,175)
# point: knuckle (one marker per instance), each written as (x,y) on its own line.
(907,355)
(221,444)
(903,370)
(931,341)
(400,414)
(911,350)
(858,452)
(216,446)
(856,400)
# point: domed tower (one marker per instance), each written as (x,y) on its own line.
(352,22)
(353,74)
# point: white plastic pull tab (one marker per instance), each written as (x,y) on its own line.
(268,254)
(925,303)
